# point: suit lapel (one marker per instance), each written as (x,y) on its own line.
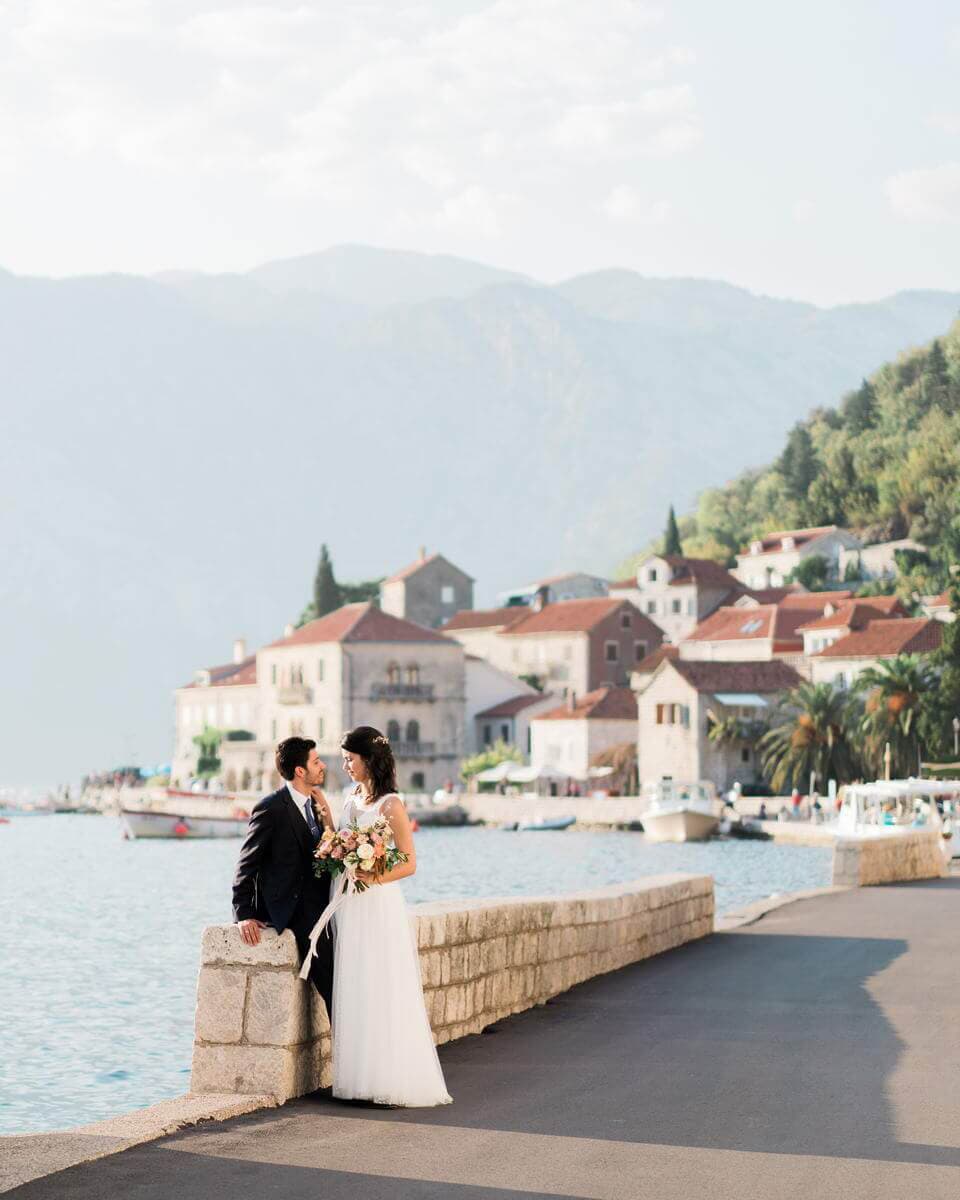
(300,829)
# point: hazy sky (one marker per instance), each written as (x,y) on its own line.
(809,150)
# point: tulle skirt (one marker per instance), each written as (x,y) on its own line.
(383,1049)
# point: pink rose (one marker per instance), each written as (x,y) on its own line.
(337,852)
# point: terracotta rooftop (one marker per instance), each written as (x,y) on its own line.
(414,567)
(772,595)
(855,614)
(652,661)
(772,543)
(887,638)
(763,677)
(700,570)
(510,708)
(815,600)
(231,674)
(578,616)
(604,704)
(941,601)
(362,622)
(486,618)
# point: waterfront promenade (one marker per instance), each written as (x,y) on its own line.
(812,1054)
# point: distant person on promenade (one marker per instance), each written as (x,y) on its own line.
(274,883)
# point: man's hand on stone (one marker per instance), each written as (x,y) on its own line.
(250,931)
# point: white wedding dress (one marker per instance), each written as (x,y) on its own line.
(383,1049)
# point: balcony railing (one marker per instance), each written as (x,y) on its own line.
(401,691)
(413,749)
(294,693)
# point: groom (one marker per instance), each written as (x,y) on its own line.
(274,884)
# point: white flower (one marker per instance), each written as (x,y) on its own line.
(365,851)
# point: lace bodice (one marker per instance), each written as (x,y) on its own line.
(355,812)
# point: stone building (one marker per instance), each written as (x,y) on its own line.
(355,666)
(572,585)
(681,701)
(843,660)
(478,630)
(567,737)
(427,592)
(224,697)
(677,592)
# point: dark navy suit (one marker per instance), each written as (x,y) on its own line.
(274,881)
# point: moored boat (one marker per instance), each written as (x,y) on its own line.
(680,812)
(545,824)
(138,823)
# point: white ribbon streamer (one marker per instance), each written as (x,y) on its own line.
(346,887)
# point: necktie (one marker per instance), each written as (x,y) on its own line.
(311,821)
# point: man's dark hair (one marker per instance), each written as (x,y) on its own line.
(293,752)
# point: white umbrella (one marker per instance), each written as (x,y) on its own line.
(497,774)
(532,774)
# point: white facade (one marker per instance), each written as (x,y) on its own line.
(577,585)
(763,567)
(487,686)
(568,746)
(876,561)
(674,594)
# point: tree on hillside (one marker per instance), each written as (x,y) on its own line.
(798,463)
(671,537)
(937,376)
(812,732)
(895,693)
(860,409)
(326,593)
(811,572)
(942,705)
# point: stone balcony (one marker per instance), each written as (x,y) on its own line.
(401,691)
(294,693)
(414,749)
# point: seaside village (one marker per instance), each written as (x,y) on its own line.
(682,662)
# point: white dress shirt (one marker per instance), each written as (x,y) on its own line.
(301,801)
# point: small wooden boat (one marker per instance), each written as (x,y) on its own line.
(139,823)
(545,824)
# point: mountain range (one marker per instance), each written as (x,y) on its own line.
(176,448)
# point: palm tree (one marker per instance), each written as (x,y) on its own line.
(894,692)
(811,734)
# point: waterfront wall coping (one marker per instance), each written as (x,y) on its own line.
(890,856)
(260,1029)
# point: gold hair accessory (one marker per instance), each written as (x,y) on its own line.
(380,740)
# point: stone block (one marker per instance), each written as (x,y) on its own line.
(436,1007)
(221,944)
(246,1070)
(277,1009)
(430,967)
(319,1021)
(220,996)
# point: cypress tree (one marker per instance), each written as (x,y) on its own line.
(671,537)
(938,376)
(326,591)
(798,463)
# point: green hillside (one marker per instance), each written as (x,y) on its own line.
(884,463)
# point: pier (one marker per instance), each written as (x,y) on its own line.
(813,1053)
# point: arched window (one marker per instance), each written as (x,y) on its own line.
(393,731)
(413,731)
(393,673)
(417,781)
(413,675)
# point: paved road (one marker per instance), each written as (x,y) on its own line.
(813,1055)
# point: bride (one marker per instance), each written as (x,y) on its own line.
(383,1048)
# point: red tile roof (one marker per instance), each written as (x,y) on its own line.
(362,622)
(772,543)
(815,600)
(763,677)
(230,674)
(622,584)
(412,569)
(735,624)
(578,616)
(652,661)
(703,571)
(510,708)
(887,638)
(941,601)
(855,614)
(771,595)
(604,704)
(486,618)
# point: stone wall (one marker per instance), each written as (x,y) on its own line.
(259,1029)
(889,858)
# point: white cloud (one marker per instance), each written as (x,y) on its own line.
(928,194)
(625,204)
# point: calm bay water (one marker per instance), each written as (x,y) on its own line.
(99,942)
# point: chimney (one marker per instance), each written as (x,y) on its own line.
(288,630)
(541,598)
(239,650)
(423,554)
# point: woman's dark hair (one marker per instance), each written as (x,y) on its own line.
(293,752)
(374,749)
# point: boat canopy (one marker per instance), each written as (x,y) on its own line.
(743,699)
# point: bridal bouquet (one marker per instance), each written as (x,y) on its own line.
(357,849)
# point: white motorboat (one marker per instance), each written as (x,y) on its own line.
(680,812)
(139,823)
